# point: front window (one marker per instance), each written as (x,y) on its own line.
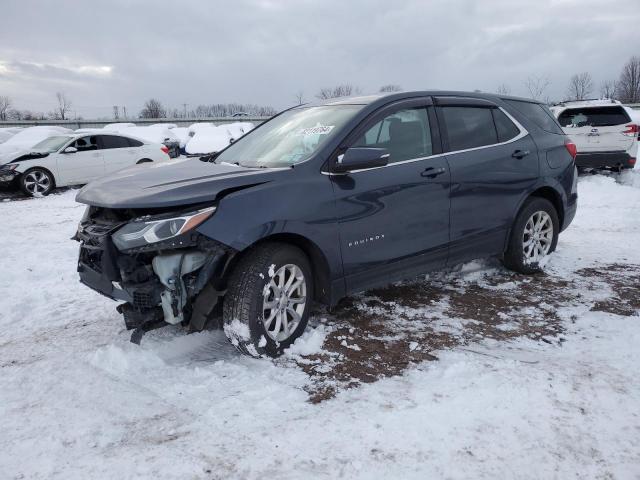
(290,138)
(51,144)
(405,134)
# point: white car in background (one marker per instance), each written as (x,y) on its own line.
(75,159)
(605,134)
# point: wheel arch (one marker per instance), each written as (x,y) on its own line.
(319,264)
(548,193)
(551,194)
(144,160)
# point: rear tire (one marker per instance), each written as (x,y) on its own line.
(534,236)
(37,182)
(268,299)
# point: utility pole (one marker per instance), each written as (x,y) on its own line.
(124,112)
(116,113)
(184,114)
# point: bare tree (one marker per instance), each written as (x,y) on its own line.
(5,105)
(153,109)
(64,106)
(608,89)
(537,86)
(628,87)
(343,90)
(300,97)
(580,86)
(503,89)
(390,88)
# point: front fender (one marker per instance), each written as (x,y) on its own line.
(300,206)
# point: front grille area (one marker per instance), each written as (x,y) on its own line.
(92,258)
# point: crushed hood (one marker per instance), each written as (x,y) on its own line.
(9,156)
(173,183)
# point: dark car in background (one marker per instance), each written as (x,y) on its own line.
(326,200)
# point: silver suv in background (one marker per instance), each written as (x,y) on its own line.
(604,133)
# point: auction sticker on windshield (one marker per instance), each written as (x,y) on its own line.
(317,130)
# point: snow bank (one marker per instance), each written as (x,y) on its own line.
(183,135)
(151,133)
(116,127)
(8,132)
(209,138)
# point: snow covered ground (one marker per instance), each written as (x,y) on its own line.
(471,373)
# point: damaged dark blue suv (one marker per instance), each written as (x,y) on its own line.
(323,201)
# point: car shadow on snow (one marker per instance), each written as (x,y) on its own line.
(385,331)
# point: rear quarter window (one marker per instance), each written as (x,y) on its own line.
(505,127)
(538,114)
(594,117)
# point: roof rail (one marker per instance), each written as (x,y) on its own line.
(565,102)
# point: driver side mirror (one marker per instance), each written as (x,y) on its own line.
(70,150)
(359,158)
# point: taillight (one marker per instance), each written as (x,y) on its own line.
(165,149)
(631,162)
(631,130)
(571,148)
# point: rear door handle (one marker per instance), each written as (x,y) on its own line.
(432,172)
(520,154)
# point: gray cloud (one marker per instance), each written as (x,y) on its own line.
(260,51)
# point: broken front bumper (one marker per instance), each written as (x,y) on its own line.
(8,177)
(157,285)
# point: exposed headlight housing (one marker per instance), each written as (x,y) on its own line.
(143,232)
(9,167)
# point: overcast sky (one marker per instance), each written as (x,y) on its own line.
(122,52)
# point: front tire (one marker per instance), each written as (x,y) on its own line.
(268,299)
(37,182)
(533,237)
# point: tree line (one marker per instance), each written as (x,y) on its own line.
(153,108)
(626,88)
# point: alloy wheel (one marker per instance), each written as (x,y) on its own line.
(37,182)
(284,301)
(537,237)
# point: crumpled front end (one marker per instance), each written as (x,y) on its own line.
(158,265)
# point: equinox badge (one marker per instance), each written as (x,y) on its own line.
(362,241)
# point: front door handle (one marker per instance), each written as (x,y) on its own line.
(520,154)
(432,172)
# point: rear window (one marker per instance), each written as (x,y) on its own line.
(538,114)
(469,127)
(134,143)
(594,117)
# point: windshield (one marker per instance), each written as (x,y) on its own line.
(290,138)
(51,144)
